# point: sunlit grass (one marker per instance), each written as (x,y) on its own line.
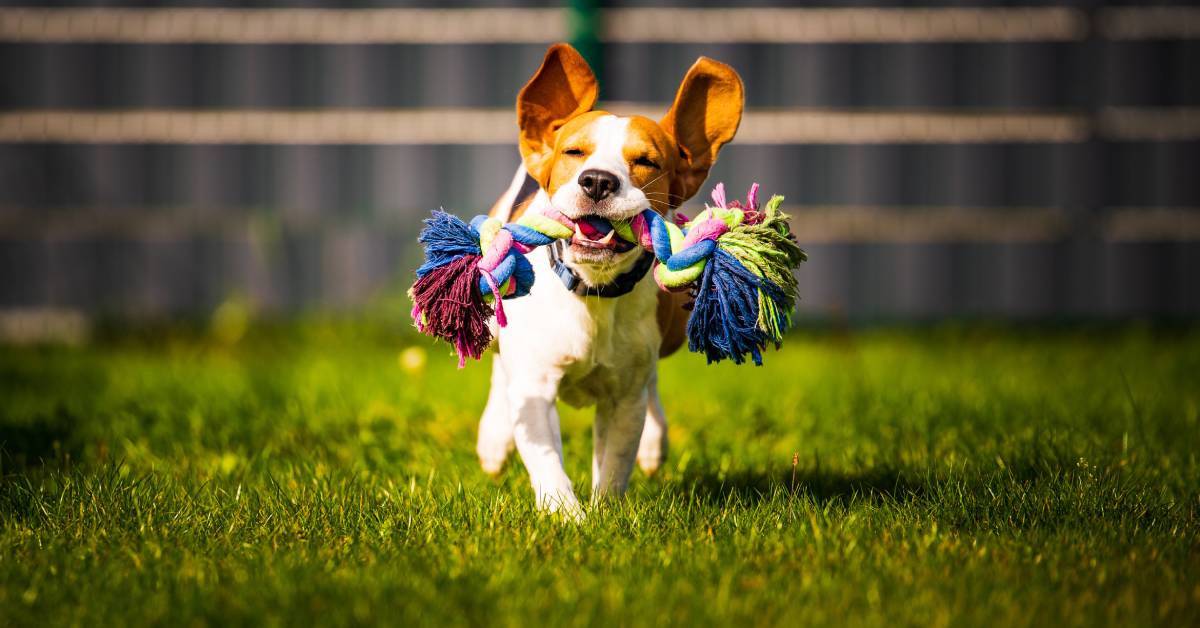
(325,471)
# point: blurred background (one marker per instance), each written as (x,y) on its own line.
(960,159)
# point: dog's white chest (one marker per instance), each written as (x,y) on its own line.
(601,347)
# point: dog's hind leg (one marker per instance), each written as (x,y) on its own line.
(495,426)
(652,450)
(619,427)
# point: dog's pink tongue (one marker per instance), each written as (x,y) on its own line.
(594,232)
(598,233)
(594,228)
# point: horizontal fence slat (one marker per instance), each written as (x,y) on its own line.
(283,26)
(844,25)
(497,126)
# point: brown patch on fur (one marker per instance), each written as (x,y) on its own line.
(646,144)
(574,135)
(672,321)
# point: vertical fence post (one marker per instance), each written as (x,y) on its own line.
(583,23)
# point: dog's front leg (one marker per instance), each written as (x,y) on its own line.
(539,441)
(617,432)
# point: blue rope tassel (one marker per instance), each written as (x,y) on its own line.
(724,317)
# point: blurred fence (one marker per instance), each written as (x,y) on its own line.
(968,160)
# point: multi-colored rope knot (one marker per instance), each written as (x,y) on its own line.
(736,259)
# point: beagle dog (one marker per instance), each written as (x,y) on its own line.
(595,324)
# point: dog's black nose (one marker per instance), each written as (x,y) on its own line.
(599,184)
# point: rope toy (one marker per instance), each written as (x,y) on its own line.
(737,261)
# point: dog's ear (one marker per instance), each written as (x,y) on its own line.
(705,115)
(564,87)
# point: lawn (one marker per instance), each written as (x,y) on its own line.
(318,471)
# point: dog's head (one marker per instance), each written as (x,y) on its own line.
(597,165)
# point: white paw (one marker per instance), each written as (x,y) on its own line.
(564,505)
(493,452)
(652,452)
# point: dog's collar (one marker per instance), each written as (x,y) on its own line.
(620,285)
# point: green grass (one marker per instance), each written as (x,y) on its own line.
(957,476)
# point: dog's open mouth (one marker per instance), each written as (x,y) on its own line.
(594,232)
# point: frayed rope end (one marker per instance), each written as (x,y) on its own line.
(447,303)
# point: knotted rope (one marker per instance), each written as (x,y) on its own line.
(736,259)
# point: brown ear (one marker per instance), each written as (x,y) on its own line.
(706,114)
(564,87)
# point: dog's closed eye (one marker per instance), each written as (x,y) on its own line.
(576,152)
(645,161)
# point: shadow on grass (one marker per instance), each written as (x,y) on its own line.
(25,445)
(884,484)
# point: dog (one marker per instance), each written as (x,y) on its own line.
(595,324)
